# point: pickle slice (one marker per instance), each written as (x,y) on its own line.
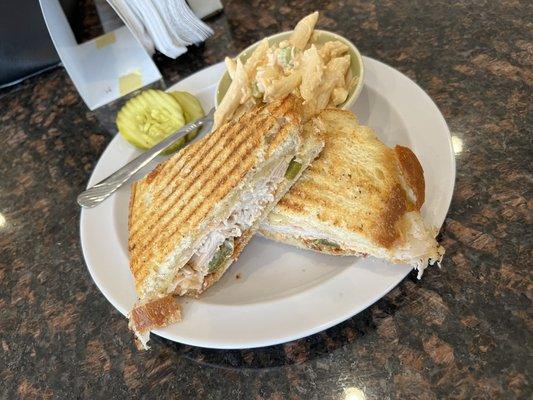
(325,242)
(150,117)
(192,109)
(221,255)
(293,169)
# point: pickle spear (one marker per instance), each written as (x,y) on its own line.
(293,169)
(325,242)
(222,254)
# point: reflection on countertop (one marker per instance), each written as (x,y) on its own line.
(461,332)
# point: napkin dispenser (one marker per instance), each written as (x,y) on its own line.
(102,69)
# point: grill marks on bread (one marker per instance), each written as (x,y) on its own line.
(185,166)
(172,202)
(355,183)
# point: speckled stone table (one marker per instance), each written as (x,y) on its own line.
(464,331)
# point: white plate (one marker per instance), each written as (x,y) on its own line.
(282,293)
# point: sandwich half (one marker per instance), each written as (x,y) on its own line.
(359,197)
(191,217)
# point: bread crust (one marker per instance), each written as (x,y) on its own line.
(155,314)
(413,173)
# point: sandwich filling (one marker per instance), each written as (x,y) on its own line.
(218,246)
(313,240)
(416,247)
(301,233)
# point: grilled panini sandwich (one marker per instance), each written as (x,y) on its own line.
(191,217)
(359,197)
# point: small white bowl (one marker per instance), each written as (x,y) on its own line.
(320,37)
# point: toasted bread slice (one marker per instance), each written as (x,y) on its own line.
(358,197)
(183,206)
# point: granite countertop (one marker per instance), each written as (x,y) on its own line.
(463,331)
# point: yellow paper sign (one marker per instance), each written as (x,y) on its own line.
(130,82)
(105,40)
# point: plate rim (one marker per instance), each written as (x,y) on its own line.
(303,333)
